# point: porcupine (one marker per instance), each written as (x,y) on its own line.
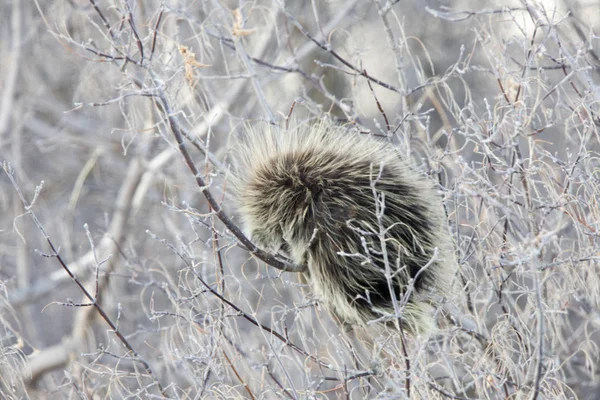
(346,205)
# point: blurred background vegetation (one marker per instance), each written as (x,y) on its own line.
(498,102)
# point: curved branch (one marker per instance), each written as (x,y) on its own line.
(276,261)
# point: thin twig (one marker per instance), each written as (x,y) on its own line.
(328,49)
(28,209)
(155,33)
(273,260)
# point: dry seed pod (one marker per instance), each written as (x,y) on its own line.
(347,206)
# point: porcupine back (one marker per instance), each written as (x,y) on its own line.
(310,192)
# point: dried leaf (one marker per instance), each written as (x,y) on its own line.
(189,58)
(238,22)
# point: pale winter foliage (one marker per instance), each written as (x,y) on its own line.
(125,271)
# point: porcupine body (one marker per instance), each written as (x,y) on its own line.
(347,205)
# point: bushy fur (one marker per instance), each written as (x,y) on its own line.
(310,192)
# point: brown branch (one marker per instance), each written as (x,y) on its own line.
(131,22)
(328,49)
(273,260)
(162,10)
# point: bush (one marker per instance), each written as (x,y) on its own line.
(125,110)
